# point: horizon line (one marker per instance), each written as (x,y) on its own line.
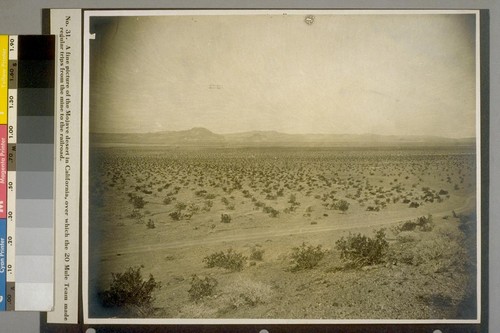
(286,133)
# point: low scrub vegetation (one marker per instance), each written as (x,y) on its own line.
(230,260)
(151,224)
(341,205)
(225,218)
(360,250)
(257,254)
(306,256)
(423,223)
(132,291)
(201,288)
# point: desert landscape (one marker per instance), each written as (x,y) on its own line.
(282,165)
(283,232)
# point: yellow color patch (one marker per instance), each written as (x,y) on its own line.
(4,68)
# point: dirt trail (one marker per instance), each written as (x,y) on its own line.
(349,223)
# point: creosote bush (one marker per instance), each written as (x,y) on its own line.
(167,200)
(229,260)
(225,218)
(423,223)
(342,205)
(257,254)
(175,215)
(150,224)
(306,256)
(138,202)
(201,288)
(130,289)
(359,250)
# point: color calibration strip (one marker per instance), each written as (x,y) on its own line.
(11,174)
(34,166)
(4,67)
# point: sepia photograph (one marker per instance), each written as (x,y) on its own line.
(283,166)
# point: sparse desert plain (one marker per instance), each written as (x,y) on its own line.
(286,233)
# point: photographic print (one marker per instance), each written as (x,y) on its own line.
(281,166)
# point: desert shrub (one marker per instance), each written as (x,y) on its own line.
(180,206)
(274,213)
(271,211)
(229,260)
(259,204)
(359,250)
(423,223)
(414,205)
(200,193)
(150,224)
(257,254)
(306,256)
(207,205)
(201,288)
(407,226)
(342,205)
(136,214)
(225,218)
(167,200)
(175,215)
(271,197)
(193,208)
(129,289)
(138,202)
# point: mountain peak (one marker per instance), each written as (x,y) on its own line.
(198,131)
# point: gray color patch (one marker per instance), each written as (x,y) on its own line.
(34,269)
(35,129)
(34,213)
(35,157)
(34,241)
(35,102)
(34,185)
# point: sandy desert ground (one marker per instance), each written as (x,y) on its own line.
(169,209)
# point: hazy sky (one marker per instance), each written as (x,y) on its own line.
(382,74)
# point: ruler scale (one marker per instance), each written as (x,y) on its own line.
(11,175)
(35,174)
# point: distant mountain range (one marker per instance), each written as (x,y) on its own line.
(200,136)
